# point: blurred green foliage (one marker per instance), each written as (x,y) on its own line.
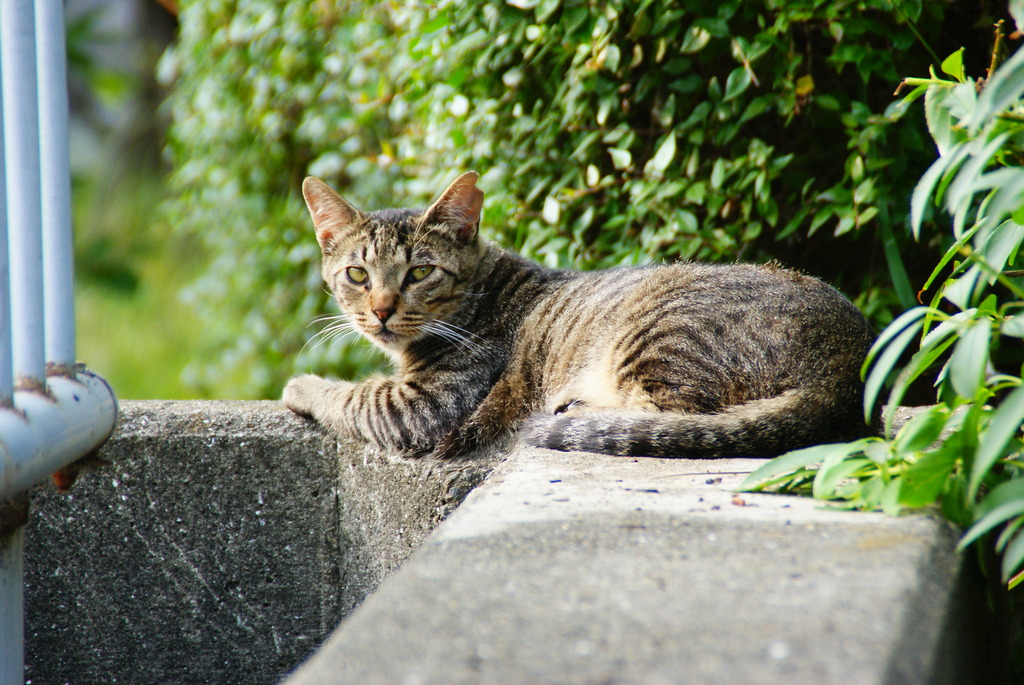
(607,133)
(131,326)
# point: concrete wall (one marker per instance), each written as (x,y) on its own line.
(226,540)
(222,544)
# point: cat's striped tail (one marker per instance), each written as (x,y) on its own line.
(760,428)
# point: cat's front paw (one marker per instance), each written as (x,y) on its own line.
(303,394)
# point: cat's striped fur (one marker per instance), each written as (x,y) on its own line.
(681,360)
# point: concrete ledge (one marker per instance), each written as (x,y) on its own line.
(226,541)
(579,568)
(222,544)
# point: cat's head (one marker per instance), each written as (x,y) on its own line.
(399,274)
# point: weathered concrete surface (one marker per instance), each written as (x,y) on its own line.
(387,507)
(227,539)
(221,545)
(572,568)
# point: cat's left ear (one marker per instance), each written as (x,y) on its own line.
(332,215)
(458,207)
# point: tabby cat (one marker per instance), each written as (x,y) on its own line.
(679,360)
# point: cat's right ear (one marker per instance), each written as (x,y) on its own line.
(458,207)
(332,215)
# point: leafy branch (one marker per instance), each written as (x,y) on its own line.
(965,454)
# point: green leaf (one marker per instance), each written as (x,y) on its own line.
(940,122)
(1005,424)
(804,85)
(986,524)
(954,505)
(1017,12)
(663,157)
(1009,196)
(1006,535)
(793,461)
(954,65)
(878,452)
(997,248)
(1005,492)
(892,342)
(951,253)
(545,9)
(834,470)
(1004,88)
(908,318)
(870,494)
(969,180)
(960,290)
(1013,326)
(970,357)
(612,56)
(926,478)
(922,194)
(718,173)
(737,82)
(933,346)
(921,431)
(1013,557)
(621,159)
(898,108)
(696,38)
(552,210)
(891,497)
(718,27)
(666,113)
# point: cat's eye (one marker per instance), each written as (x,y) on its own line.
(357,275)
(418,273)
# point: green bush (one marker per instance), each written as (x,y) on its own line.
(607,133)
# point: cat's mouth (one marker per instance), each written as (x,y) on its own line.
(387,336)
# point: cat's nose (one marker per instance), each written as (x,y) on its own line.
(384,313)
(383,304)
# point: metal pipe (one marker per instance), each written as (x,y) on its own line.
(21,158)
(55,187)
(6,356)
(45,423)
(47,432)
(12,607)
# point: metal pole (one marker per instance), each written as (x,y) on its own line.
(21,162)
(12,606)
(55,187)
(39,432)
(21,159)
(6,355)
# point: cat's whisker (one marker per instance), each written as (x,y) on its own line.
(453,334)
(430,328)
(459,329)
(459,335)
(328,317)
(327,339)
(340,327)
